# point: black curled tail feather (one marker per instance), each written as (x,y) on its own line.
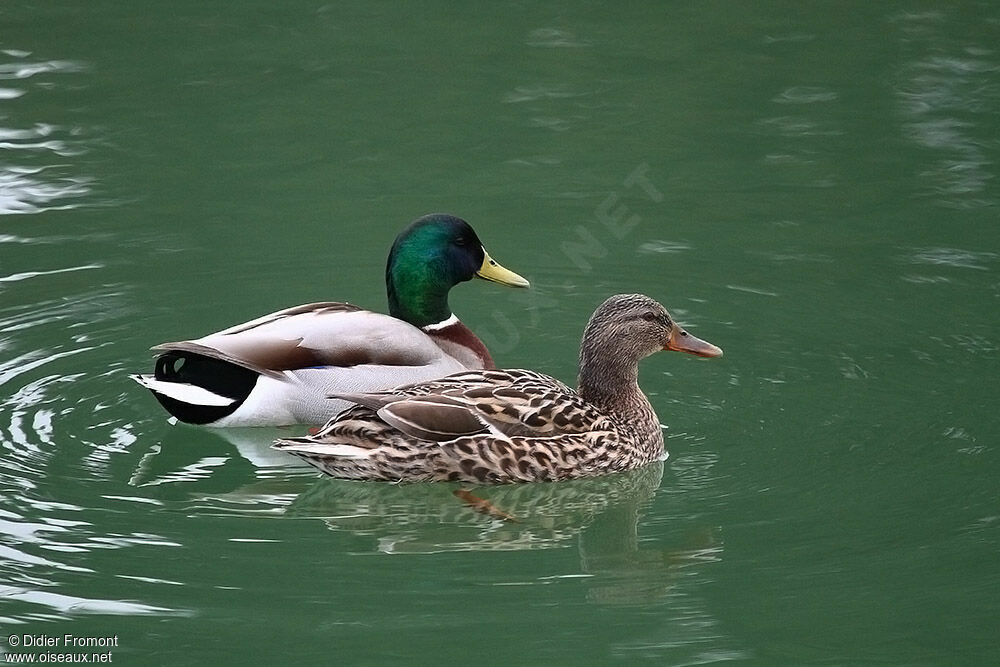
(217,376)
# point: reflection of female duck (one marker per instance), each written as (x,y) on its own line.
(513,426)
(279,368)
(599,515)
(425,518)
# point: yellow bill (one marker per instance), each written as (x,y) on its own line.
(493,272)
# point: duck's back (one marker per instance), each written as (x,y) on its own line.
(492,426)
(278,369)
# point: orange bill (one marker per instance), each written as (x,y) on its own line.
(682,341)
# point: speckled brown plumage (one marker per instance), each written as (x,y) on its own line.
(502,426)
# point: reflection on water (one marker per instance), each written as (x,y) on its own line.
(956,257)
(948,98)
(67,605)
(162,464)
(50,445)
(398,516)
(254,445)
(35,174)
(600,517)
(554,38)
(37,556)
(805,95)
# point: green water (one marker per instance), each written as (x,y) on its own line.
(813,187)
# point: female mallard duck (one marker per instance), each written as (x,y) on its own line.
(279,368)
(501,426)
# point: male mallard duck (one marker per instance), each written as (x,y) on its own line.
(501,426)
(279,368)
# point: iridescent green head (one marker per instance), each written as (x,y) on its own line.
(428,258)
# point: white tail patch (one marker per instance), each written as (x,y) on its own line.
(185,393)
(342,451)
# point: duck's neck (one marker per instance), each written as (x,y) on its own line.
(416,294)
(610,382)
(457,340)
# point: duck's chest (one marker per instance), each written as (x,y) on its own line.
(457,341)
(640,435)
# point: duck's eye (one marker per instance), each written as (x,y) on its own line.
(649,316)
(460,242)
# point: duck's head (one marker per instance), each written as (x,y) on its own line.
(628,327)
(432,255)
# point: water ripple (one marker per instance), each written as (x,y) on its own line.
(799,126)
(540,92)
(46,544)
(24,70)
(664,247)
(805,95)
(752,290)
(554,38)
(71,605)
(947,98)
(797,37)
(30,180)
(956,257)
(14,277)
(24,190)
